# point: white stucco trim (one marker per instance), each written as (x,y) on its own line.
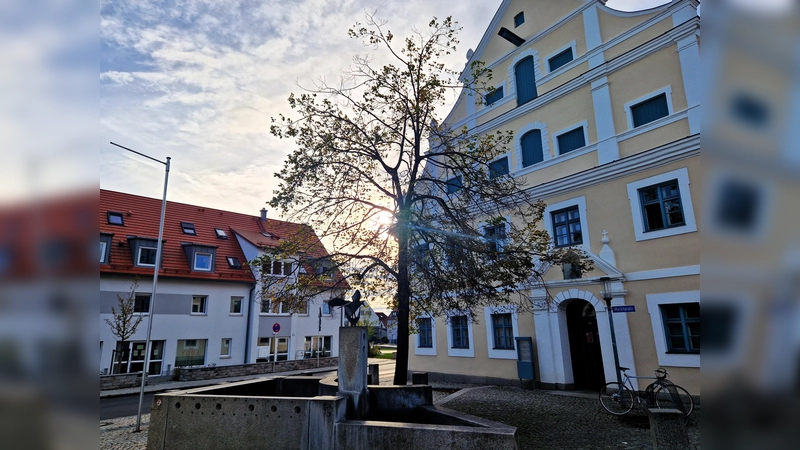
(659,335)
(573,46)
(537,71)
(552,337)
(426,351)
(682,175)
(665,90)
(580,202)
(583,124)
(669,272)
(546,155)
(460,352)
(487,315)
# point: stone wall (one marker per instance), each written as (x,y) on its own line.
(205,373)
(121,381)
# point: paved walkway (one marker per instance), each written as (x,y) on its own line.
(544,419)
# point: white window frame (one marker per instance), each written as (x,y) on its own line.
(222,346)
(580,202)
(427,351)
(500,353)
(461,352)
(501,99)
(682,175)
(210,262)
(546,156)
(204,305)
(654,303)
(573,46)
(506,225)
(330,309)
(665,90)
(241,305)
(103,247)
(507,156)
(584,124)
(537,71)
(139,256)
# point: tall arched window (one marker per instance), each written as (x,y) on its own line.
(525,77)
(531,143)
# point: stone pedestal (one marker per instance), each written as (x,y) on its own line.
(668,429)
(353,370)
(374,374)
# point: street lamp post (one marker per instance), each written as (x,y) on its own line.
(147,348)
(607,297)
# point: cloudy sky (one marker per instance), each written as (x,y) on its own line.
(198,80)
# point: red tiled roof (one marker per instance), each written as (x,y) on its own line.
(141,217)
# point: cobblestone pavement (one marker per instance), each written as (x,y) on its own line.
(118,434)
(562,420)
(544,420)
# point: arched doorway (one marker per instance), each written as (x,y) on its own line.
(584,345)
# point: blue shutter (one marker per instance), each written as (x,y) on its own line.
(571,140)
(498,168)
(494,96)
(560,59)
(650,110)
(526,81)
(531,143)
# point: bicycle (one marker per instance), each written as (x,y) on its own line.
(617,398)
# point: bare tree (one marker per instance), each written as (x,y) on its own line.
(123,321)
(419,210)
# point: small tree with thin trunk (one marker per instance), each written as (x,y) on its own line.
(422,213)
(123,321)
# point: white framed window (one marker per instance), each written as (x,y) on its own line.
(662,307)
(564,227)
(199,304)
(501,329)
(499,167)
(326,309)
(571,138)
(561,57)
(495,235)
(317,346)
(225,348)
(460,341)
(202,261)
(649,108)
(662,205)
(236,306)
(425,342)
(146,256)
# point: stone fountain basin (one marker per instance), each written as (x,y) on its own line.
(301,413)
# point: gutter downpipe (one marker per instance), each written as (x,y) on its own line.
(249,327)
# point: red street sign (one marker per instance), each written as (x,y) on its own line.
(276,328)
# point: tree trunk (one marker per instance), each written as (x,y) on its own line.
(403,302)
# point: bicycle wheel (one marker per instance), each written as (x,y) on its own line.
(616,398)
(674,396)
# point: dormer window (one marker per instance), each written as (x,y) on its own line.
(143,251)
(200,256)
(202,261)
(115,218)
(221,234)
(188,228)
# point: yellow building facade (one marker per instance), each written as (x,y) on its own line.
(604,107)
